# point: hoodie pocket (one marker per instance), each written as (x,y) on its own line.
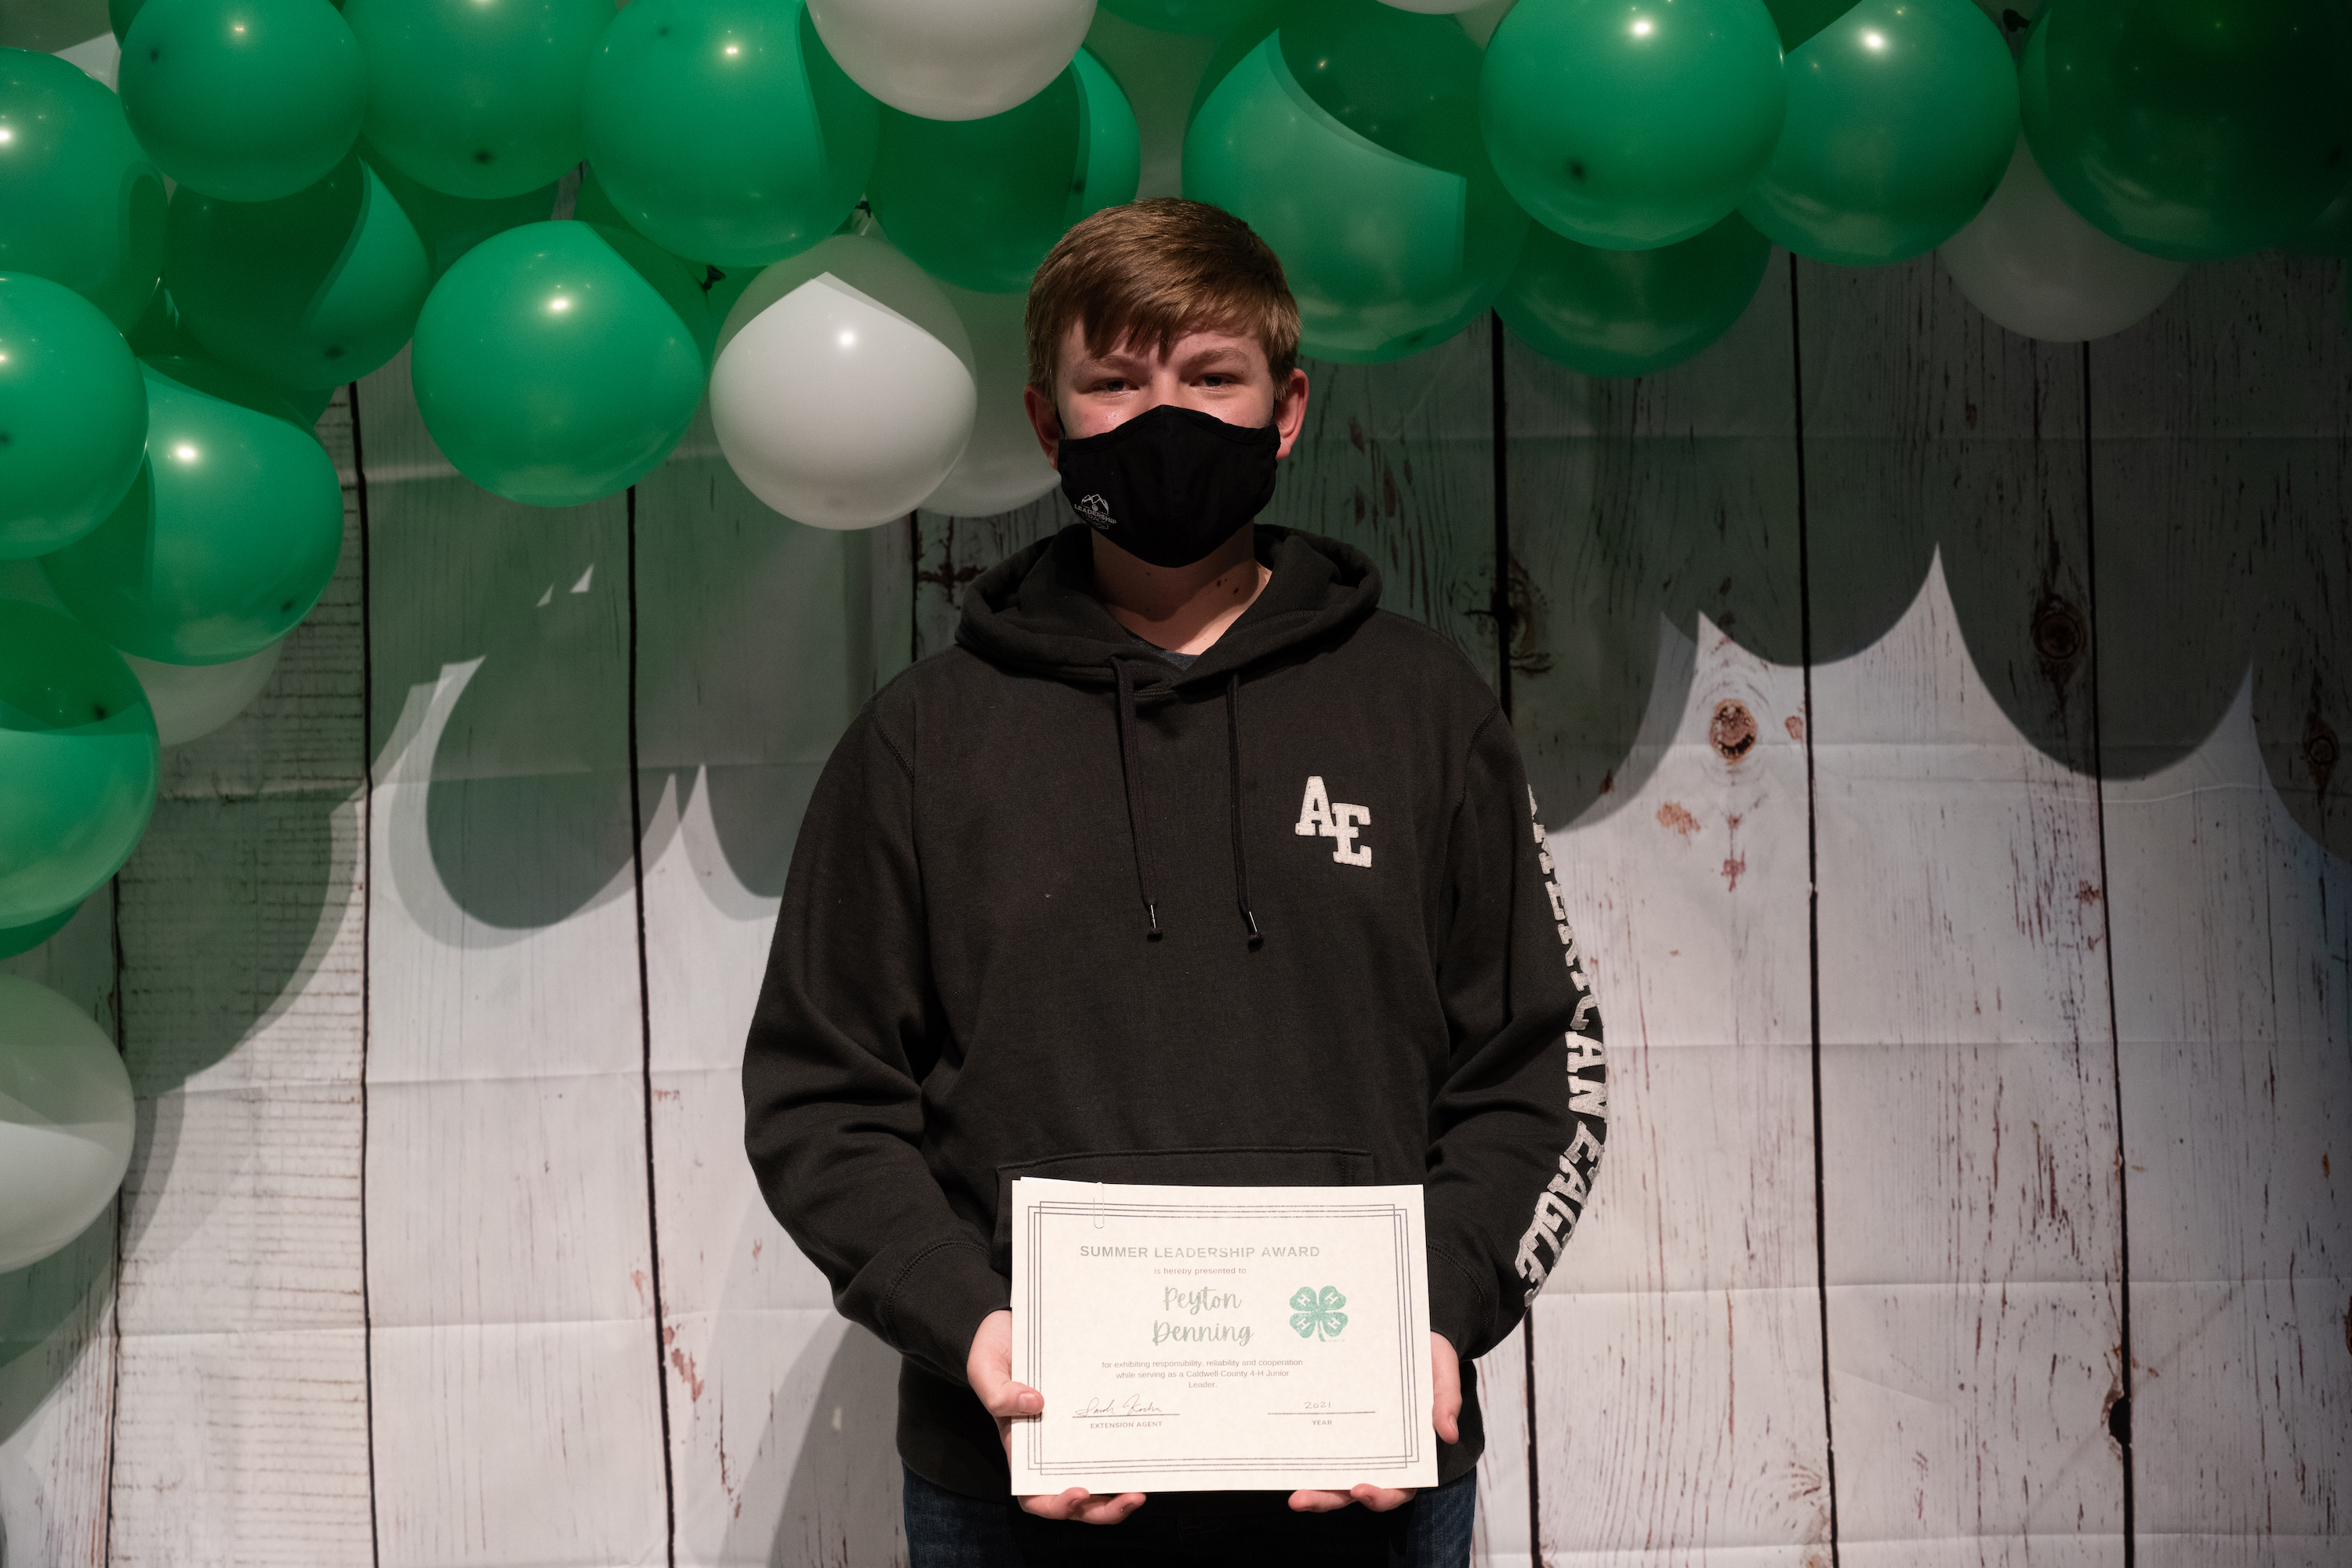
(1248,1166)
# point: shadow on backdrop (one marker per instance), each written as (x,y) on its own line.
(1643,510)
(755,648)
(2222,443)
(501,647)
(832,1454)
(2213,473)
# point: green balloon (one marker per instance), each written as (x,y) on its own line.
(159,330)
(724,130)
(1631,312)
(73,417)
(199,371)
(313,290)
(550,370)
(245,99)
(2330,233)
(702,292)
(448,226)
(1188,15)
(1632,125)
(1349,141)
(120,15)
(227,538)
(477,98)
(80,202)
(15,940)
(978,203)
(2191,129)
(308,403)
(693,289)
(1798,20)
(78,764)
(1902,118)
(1405,82)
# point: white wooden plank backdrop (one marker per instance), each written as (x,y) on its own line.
(510,1255)
(1941,736)
(1971,1218)
(1678,1411)
(242,1305)
(2233,920)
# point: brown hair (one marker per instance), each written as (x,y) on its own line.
(1149,272)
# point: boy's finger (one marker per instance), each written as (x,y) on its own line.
(1011,1399)
(1311,1502)
(1108,1509)
(1079,1506)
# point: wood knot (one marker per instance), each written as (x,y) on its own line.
(1732,731)
(2321,751)
(2059,634)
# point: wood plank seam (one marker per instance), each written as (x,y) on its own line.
(1812,906)
(2119,1424)
(367,952)
(1499,601)
(646,1039)
(114,1344)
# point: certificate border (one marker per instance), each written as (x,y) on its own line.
(1399,1239)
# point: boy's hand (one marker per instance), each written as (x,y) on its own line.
(1445,1413)
(989,1370)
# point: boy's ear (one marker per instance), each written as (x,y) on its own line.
(1290,411)
(1046,420)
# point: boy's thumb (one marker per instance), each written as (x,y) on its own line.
(1011,1398)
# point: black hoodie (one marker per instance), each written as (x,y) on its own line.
(1059,908)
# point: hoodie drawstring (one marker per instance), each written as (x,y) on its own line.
(1139,809)
(1233,752)
(1138,804)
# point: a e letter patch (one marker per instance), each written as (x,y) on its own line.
(1339,823)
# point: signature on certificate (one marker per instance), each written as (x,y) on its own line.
(1129,1404)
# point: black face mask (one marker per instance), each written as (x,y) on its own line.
(1171,484)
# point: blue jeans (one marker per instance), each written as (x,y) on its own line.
(949,1529)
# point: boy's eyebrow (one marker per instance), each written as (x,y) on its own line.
(1124,357)
(1237,352)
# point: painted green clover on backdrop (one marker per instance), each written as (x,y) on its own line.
(1312,1314)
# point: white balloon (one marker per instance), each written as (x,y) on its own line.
(65,1122)
(2029,262)
(952,59)
(193,699)
(843,393)
(1002,466)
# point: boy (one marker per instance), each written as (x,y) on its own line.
(1187,864)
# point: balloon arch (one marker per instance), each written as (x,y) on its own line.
(823,216)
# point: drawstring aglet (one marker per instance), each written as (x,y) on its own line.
(1255,936)
(1151,912)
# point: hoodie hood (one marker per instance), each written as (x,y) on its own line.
(1036,611)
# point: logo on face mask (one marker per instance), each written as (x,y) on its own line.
(1340,824)
(1171,484)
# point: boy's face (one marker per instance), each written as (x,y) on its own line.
(1216,373)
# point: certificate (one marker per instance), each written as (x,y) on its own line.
(1191,1339)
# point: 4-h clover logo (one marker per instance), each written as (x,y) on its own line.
(1312,1314)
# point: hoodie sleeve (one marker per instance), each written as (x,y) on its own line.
(831,1071)
(1516,1127)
